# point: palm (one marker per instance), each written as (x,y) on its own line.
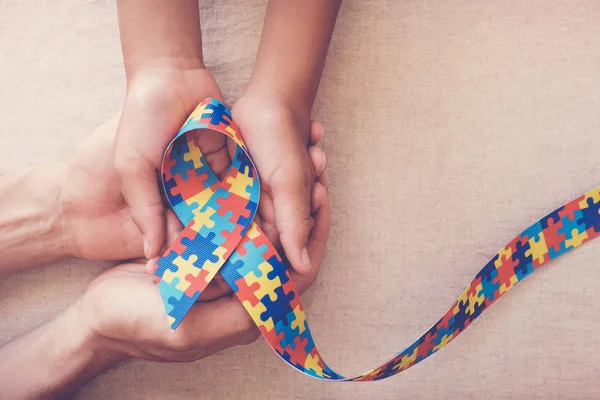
(132,292)
(124,308)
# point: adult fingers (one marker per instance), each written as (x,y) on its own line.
(216,325)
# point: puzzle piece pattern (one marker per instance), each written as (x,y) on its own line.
(214,212)
(221,237)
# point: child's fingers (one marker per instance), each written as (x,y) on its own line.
(318,159)
(316,132)
(318,196)
(291,199)
(317,242)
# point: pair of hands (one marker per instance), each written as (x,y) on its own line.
(122,311)
(276,132)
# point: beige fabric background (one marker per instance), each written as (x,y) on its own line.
(450,126)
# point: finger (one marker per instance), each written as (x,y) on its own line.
(217,288)
(291,198)
(174,227)
(316,132)
(217,325)
(151,265)
(213,146)
(317,242)
(147,211)
(137,161)
(318,159)
(319,193)
(265,218)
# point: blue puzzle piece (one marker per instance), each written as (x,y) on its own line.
(243,162)
(222,223)
(166,263)
(250,261)
(524,262)
(289,334)
(490,286)
(169,291)
(310,343)
(181,306)
(219,113)
(181,167)
(246,222)
(533,232)
(552,218)
(202,247)
(557,253)
(488,270)
(230,271)
(279,270)
(590,216)
(460,318)
(572,224)
(185,211)
(278,309)
(168,185)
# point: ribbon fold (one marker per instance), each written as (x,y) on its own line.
(220,236)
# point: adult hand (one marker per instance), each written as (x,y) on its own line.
(123,310)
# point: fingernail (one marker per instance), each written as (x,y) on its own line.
(324,161)
(146,247)
(322,201)
(305,257)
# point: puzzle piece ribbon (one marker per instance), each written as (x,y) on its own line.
(220,236)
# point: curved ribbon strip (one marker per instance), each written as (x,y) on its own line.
(220,236)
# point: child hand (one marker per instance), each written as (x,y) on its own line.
(278,134)
(158,102)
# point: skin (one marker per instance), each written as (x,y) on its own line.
(107,206)
(120,317)
(167,78)
(77,208)
(274,115)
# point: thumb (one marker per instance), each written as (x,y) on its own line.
(140,189)
(291,199)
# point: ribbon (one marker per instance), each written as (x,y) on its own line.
(220,236)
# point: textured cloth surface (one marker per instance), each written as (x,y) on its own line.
(458,124)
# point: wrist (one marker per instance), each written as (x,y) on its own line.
(79,347)
(278,96)
(167,65)
(157,88)
(30,217)
(74,353)
(53,359)
(86,344)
